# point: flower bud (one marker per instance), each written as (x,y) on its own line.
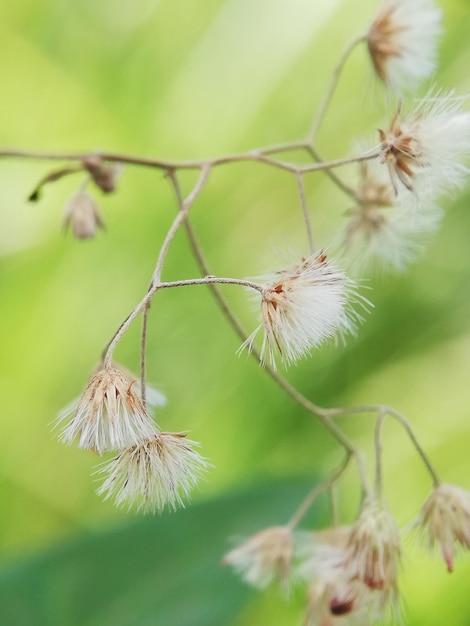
(374,547)
(446,517)
(82,216)
(104,176)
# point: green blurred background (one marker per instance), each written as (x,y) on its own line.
(183,80)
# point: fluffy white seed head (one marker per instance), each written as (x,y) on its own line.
(402,41)
(426,149)
(336,595)
(109,415)
(445,518)
(374,547)
(304,305)
(155,473)
(385,231)
(264,557)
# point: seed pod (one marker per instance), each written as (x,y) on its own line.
(82,216)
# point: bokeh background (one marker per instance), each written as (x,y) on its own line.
(182,80)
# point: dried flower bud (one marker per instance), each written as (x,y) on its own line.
(264,557)
(104,175)
(445,516)
(402,41)
(384,230)
(335,594)
(109,414)
(157,472)
(83,216)
(304,305)
(374,547)
(426,146)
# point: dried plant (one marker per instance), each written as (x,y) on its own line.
(422,154)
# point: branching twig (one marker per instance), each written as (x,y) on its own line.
(316,491)
(388,410)
(322,414)
(260,155)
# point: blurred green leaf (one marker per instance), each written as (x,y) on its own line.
(159,571)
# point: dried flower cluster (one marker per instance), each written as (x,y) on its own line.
(350,573)
(152,468)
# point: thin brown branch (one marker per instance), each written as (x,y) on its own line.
(305,211)
(378,454)
(143,352)
(388,410)
(316,491)
(261,156)
(52,177)
(155,283)
(325,103)
(332,175)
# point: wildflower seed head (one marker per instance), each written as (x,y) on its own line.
(109,415)
(374,547)
(402,41)
(336,595)
(264,557)
(426,149)
(445,517)
(82,216)
(160,471)
(304,305)
(385,231)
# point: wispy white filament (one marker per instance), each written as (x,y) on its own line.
(158,472)
(303,306)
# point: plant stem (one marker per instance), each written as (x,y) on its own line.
(316,491)
(319,412)
(260,155)
(325,103)
(332,175)
(154,285)
(378,454)
(305,212)
(388,410)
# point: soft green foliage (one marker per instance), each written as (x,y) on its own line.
(186,80)
(161,571)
